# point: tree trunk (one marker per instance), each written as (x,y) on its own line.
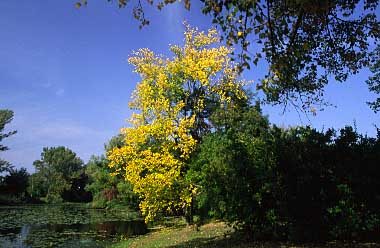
(188,215)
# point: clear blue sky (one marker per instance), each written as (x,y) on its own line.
(64,73)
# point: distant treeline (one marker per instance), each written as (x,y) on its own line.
(61,176)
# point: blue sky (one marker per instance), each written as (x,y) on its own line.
(64,73)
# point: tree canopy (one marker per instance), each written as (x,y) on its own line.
(15,183)
(305,43)
(55,173)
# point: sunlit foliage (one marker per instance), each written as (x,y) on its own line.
(172,104)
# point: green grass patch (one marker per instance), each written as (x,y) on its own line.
(173,233)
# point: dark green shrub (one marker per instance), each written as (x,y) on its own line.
(235,169)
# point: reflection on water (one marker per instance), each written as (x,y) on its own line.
(75,231)
(14,237)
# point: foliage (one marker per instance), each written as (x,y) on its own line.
(6,117)
(357,193)
(77,191)
(10,189)
(15,183)
(297,183)
(305,174)
(115,141)
(37,187)
(236,172)
(329,183)
(173,103)
(304,42)
(55,173)
(99,179)
(349,217)
(108,190)
(374,81)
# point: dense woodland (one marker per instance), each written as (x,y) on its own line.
(199,146)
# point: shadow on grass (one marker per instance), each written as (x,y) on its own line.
(237,242)
(203,243)
(231,241)
(167,222)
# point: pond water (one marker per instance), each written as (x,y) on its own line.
(66,225)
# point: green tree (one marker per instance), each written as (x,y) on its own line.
(235,170)
(100,181)
(115,141)
(304,42)
(109,190)
(6,116)
(37,187)
(16,182)
(55,172)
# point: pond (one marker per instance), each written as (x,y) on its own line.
(66,225)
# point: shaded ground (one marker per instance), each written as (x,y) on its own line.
(175,234)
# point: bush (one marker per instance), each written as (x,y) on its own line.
(330,182)
(236,170)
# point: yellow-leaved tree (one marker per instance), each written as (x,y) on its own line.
(172,104)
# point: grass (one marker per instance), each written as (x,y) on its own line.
(173,233)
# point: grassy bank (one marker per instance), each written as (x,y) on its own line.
(175,234)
